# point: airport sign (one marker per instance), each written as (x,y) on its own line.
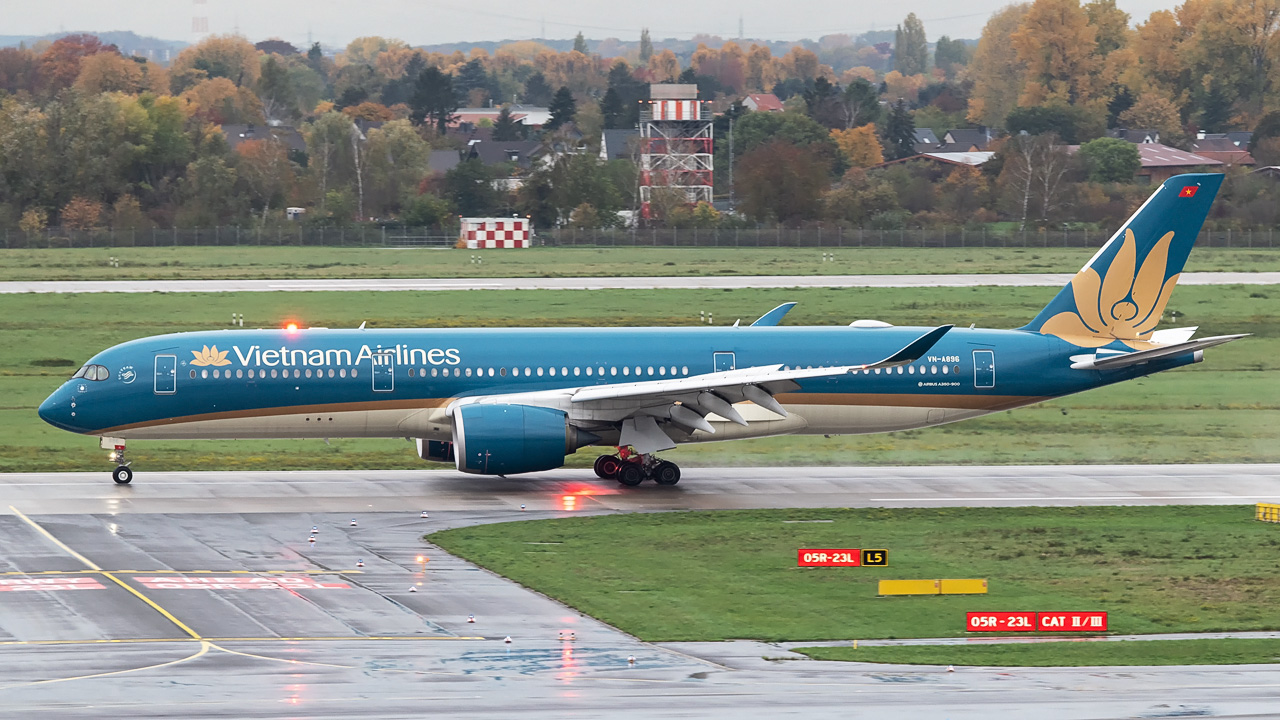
(848,557)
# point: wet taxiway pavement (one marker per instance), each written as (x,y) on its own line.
(202,595)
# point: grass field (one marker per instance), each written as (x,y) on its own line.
(247,262)
(1224,410)
(700,576)
(1066,654)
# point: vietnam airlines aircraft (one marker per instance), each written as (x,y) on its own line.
(505,401)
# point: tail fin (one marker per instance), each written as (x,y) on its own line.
(1121,293)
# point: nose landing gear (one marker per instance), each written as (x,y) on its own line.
(122,474)
(631,468)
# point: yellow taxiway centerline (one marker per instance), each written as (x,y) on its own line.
(94,566)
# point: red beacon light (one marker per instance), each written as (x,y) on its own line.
(291,327)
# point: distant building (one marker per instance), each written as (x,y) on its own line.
(1161,162)
(1135,136)
(1223,150)
(965,140)
(292,139)
(763,102)
(619,144)
(441,161)
(522,114)
(972,158)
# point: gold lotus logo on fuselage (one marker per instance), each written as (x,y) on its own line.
(1125,305)
(210,356)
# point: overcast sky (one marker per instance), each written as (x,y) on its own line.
(420,23)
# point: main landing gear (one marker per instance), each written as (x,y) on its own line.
(632,469)
(122,474)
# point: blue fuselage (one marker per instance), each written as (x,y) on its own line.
(281,383)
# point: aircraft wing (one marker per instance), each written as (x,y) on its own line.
(637,407)
(1134,358)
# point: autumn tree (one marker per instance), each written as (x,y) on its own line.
(264,168)
(762,72)
(997,73)
(1110,25)
(910,48)
(81,213)
(782,182)
(1055,43)
(218,56)
(858,198)
(1154,112)
(17,70)
(860,145)
(220,101)
(664,67)
(110,72)
(60,63)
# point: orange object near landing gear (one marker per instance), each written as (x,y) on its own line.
(632,468)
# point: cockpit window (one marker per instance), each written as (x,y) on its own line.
(92,372)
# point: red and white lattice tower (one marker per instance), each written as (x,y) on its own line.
(675,146)
(494,233)
(199,19)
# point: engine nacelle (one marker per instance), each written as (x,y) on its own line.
(510,439)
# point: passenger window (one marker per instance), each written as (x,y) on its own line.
(577,372)
(411,372)
(684,369)
(501,371)
(526,372)
(468,372)
(539,371)
(588,372)
(662,371)
(626,370)
(193,374)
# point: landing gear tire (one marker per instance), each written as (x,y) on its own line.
(666,473)
(122,475)
(607,467)
(630,474)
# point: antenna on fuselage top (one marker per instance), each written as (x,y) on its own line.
(362,322)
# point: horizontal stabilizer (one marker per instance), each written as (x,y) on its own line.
(1134,358)
(774,316)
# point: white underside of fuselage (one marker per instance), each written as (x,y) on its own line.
(433,424)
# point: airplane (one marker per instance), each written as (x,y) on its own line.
(516,400)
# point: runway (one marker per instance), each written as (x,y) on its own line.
(204,592)
(599,283)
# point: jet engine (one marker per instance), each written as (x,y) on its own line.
(510,439)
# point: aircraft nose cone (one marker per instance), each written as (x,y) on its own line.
(56,410)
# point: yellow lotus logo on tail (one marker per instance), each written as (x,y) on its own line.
(210,356)
(1126,305)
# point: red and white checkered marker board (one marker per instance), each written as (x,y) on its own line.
(495,233)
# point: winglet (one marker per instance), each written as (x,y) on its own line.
(774,316)
(915,350)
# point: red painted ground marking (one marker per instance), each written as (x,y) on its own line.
(186,582)
(59,583)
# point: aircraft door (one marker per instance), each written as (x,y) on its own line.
(384,372)
(166,379)
(723,361)
(984,368)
